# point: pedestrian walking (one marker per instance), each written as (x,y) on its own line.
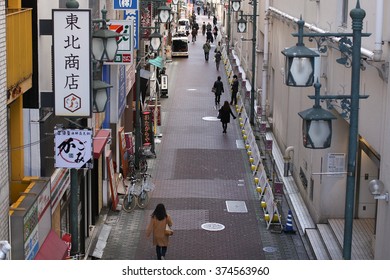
(194,33)
(218,90)
(233,100)
(209,36)
(206,49)
(217,57)
(204,28)
(215,20)
(218,48)
(198,10)
(208,26)
(159,220)
(224,115)
(215,32)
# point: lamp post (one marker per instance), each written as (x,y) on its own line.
(235,5)
(164,17)
(241,28)
(104,48)
(303,78)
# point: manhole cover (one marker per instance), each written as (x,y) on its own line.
(236,207)
(212,119)
(269,249)
(213,226)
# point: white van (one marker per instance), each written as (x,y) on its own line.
(183,26)
(179,45)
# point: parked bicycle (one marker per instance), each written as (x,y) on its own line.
(138,194)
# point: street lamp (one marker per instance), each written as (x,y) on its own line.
(357,14)
(236,4)
(317,124)
(163,15)
(299,63)
(100,96)
(241,28)
(155,41)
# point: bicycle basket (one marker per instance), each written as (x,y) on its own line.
(149,186)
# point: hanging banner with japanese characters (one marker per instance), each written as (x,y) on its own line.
(72,62)
(147,128)
(73,148)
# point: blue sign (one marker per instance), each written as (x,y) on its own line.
(133,14)
(125,4)
(121,90)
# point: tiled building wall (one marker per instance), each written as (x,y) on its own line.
(4,182)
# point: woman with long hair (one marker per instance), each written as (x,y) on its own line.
(159,220)
(224,114)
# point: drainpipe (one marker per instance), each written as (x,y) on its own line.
(378,30)
(288,156)
(265,63)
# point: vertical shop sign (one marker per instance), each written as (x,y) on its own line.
(125,29)
(124,153)
(147,129)
(72,62)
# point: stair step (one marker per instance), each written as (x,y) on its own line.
(317,244)
(331,242)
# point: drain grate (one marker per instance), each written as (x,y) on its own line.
(236,207)
(213,226)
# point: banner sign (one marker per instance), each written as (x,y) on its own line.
(147,128)
(133,15)
(73,148)
(72,62)
(124,55)
(125,4)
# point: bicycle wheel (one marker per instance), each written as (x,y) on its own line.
(143,199)
(128,202)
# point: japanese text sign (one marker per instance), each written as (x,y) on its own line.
(72,62)
(73,148)
(125,4)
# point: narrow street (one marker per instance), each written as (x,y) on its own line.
(202,176)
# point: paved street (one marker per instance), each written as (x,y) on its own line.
(197,172)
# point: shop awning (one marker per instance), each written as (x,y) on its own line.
(53,248)
(99,141)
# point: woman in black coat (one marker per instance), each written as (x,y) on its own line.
(224,114)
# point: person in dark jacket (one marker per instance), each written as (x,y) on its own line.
(218,85)
(209,36)
(224,114)
(233,101)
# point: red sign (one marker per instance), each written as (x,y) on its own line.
(147,129)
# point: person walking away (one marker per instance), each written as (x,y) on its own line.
(215,20)
(198,10)
(204,9)
(224,114)
(159,220)
(208,26)
(193,33)
(218,57)
(209,36)
(233,101)
(204,28)
(218,48)
(218,85)
(206,49)
(215,32)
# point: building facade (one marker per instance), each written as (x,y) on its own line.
(313,170)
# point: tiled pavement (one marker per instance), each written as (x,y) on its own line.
(198,169)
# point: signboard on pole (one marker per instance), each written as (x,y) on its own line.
(72,62)
(73,148)
(125,42)
(125,4)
